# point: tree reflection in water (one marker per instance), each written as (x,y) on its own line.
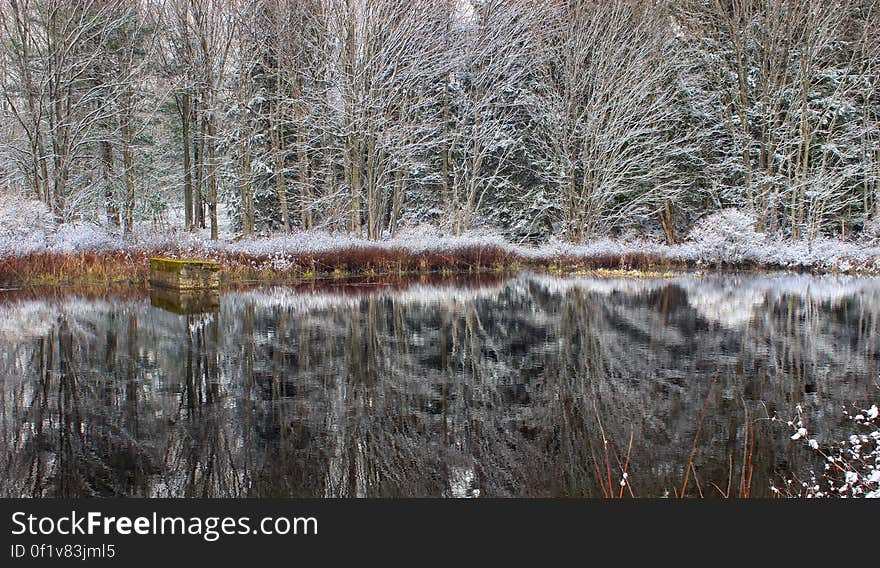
(492,388)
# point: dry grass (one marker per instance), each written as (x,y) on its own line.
(607,471)
(690,465)
(133,267)
(361,261)
(84,268)
(612,463)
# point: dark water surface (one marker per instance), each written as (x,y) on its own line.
(495,387)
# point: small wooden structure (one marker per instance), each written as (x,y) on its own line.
(181,274)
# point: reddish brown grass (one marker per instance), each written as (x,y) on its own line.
(133,266)
(51,268)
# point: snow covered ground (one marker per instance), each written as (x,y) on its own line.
(724,238)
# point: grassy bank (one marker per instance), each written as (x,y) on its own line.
(133,267)
(124,267)
(87,254)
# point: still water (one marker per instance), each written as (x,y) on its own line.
(498,386)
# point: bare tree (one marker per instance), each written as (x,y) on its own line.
(492,45)
(389,63)
(50,85)
(245,59)
(177,56)
(196,55)
(786,74)
(580,117)
(609,107)
(213,27)
(130,50)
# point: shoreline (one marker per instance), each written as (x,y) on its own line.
(131,267)
(91,254)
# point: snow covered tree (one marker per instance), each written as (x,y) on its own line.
(492,45)
(608,115)
(576,118)
(385,77)
(785,78)
(52,86)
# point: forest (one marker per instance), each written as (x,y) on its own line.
(572,119)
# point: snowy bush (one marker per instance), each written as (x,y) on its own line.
(871,232)
(851,466)
(24,225)
(28,226)
(82,237)
(23,217)
(726,236)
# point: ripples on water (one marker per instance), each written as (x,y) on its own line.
(487,388)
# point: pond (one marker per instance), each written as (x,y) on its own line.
(508,385)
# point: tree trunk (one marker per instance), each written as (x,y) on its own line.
(128,164)
(355,181)
(667,220)
(281,190)
(397,203)
(199,163)
(305,184)
(277,139)
(247,195)
(212,178)
(109,197)
(185,123)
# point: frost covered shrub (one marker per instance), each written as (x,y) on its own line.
(24,217)
(28,226)
(851,467)
(726,236)
(25,225)
(82,237)
(871,232)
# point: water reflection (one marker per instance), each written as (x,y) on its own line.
(496,388)
(184,302)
